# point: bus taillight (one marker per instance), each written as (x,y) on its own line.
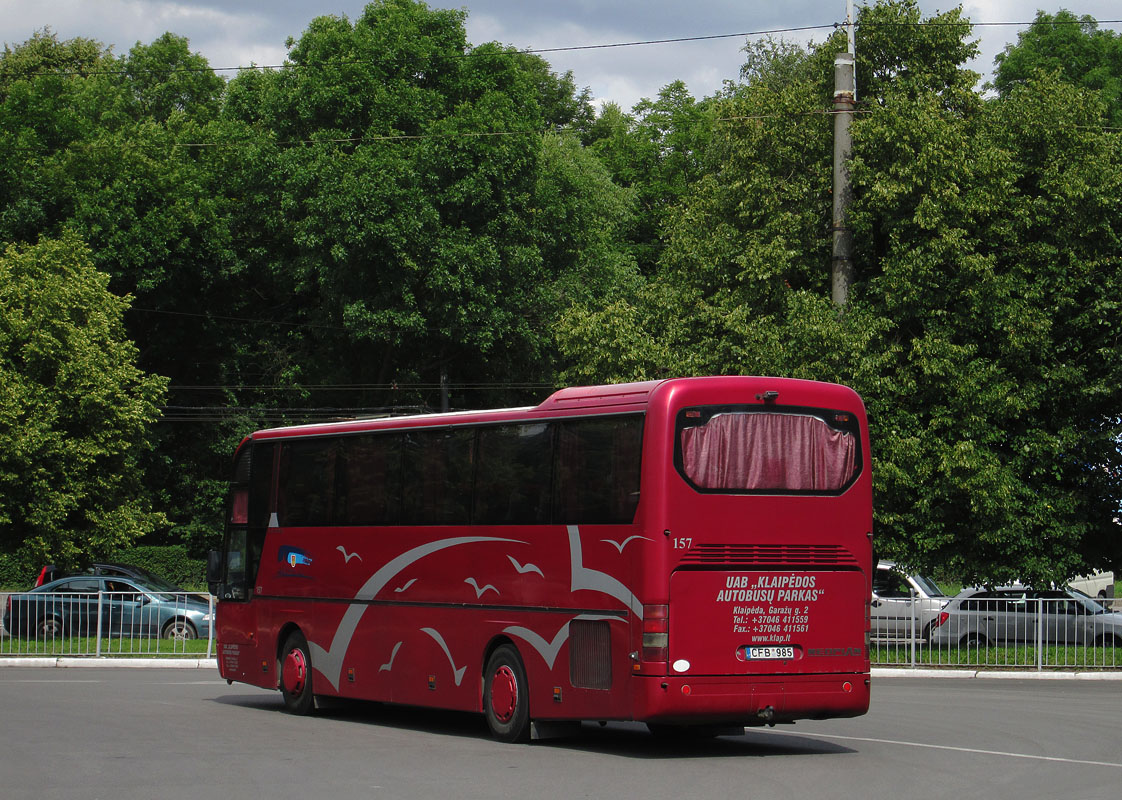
(239,507)
(656,632)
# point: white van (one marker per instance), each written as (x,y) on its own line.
(903,603)
(1097,584)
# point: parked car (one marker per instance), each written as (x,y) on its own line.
(903,603)
(1097,584)
(1011,614)
(128,607)
(52,573)
(150,579)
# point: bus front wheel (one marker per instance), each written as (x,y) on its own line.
(506,696)
(296,675)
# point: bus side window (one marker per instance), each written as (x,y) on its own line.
(371,483)
(513,474)
(598,470)
(437,476)
(306,493)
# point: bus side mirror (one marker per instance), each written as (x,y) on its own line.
(213,570)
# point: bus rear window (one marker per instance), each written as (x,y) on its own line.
(737,449)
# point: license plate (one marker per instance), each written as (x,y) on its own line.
(760,653)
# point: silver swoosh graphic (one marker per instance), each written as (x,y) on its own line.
(329,661)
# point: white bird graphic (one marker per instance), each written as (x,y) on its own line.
(388,666)
(524,568)
(348,556)
(457,674)
(620,545)
(408,583)
(478,589)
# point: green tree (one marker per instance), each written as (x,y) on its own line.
(75,411)
(1072,46)
(656,151)
(407,204)
(109,149)
(991,242)
(983,331)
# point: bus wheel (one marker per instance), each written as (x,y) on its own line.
(296,675)
(505,696)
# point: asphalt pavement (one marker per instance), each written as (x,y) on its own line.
(112,734)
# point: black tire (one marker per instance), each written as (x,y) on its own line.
(294,676)
(48,628)
(1108,640)
(506,700)
(180,629)
(974,640)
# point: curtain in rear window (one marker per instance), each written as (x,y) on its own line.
(763,451)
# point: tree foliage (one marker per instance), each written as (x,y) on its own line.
(74,409)
(983,332)
(392,207)
(1075,48)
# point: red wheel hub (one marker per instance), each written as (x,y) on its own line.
(504,693)
(295,671)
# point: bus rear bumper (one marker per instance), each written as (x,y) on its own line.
(750,700)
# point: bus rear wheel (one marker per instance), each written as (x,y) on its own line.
(506,696)
(295,676)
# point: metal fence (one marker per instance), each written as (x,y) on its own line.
(1007,632)
(133,623)
(1004,633)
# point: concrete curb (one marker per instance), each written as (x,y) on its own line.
(68,662)
(985,674)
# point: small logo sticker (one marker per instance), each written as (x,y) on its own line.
(294,556)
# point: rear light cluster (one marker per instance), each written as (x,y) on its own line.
(656,633)
(239,508)
(943,617)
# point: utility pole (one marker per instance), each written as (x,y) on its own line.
(845,100)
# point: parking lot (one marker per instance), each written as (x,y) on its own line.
(104,733)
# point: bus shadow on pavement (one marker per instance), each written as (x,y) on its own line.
(633,740)
(625,739)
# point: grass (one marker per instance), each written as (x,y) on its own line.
(116,647)
(1058,657)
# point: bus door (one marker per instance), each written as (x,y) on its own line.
(232,573)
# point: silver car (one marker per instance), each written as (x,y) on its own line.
(903,605)
(982,617)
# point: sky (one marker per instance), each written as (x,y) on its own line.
(231,33)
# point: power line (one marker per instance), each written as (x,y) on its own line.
(477,53)
(314,325)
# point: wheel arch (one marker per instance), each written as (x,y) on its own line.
(286,630)
(494,644)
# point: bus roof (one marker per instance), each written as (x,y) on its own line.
(612,398)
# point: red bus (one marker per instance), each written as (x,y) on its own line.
(694,553)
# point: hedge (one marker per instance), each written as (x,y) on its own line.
(171,561)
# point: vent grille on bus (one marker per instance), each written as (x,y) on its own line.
(768,555)
(590,654)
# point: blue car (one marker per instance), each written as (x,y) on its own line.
(74,606)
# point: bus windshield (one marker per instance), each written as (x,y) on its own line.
(731,450)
